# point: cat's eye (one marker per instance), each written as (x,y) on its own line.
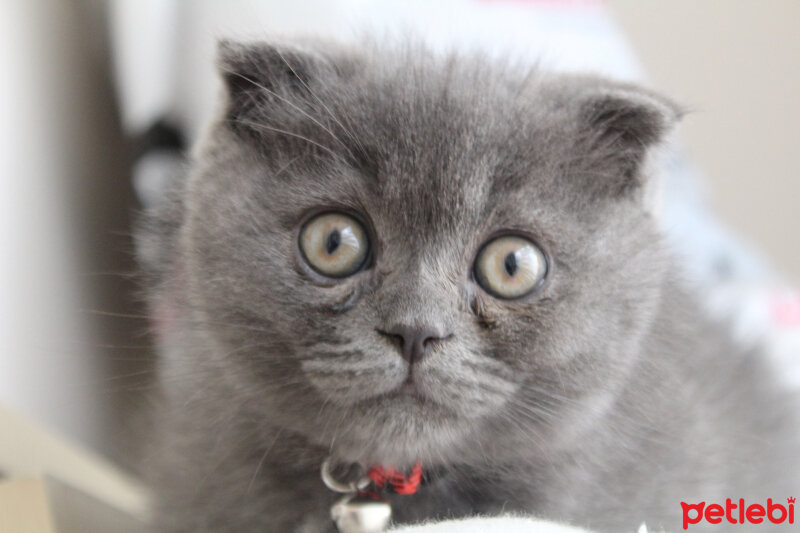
(510,267)
(334,245)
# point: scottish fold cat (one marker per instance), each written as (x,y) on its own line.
(392,258)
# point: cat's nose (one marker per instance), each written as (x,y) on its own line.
(415,342)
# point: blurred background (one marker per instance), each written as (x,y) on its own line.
(86,81)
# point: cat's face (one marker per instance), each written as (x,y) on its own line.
(348,208)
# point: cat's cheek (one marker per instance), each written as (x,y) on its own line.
(467,401)
(347,380)
(492,314)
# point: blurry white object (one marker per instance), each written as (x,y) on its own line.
(504,524)
(146,36)
(764,315)
(152,173)
(494,525)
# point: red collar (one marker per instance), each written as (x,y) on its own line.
(387,479)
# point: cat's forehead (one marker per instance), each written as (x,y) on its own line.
(443,153)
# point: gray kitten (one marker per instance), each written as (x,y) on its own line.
(393,257)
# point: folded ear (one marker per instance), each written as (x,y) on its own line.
(620,124)
(264,80)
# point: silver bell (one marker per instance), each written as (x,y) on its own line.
(354,514)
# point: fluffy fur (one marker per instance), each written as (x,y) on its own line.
(603,400)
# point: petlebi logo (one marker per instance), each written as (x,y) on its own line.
(738,512)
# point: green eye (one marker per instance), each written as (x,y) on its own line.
(334,245)
(510,267)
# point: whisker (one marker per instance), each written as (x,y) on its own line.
(261,461)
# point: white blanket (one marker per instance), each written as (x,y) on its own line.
(493,525)
(504,524)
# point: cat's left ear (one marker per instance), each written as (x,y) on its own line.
(620,125)
(265,80)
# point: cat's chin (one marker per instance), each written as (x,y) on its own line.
(423,398)
(407,398)
(402,427)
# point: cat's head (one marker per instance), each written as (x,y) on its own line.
(403,255)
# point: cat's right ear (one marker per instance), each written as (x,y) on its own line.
(619,125)
(263,80)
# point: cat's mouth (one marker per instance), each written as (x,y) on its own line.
(410,388)
(411,391)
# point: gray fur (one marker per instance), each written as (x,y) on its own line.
(605,399)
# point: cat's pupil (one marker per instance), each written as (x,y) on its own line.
(333,241)
(510,264)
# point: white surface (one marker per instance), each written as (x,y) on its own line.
(493,525)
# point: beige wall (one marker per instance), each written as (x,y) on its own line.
(736,64)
